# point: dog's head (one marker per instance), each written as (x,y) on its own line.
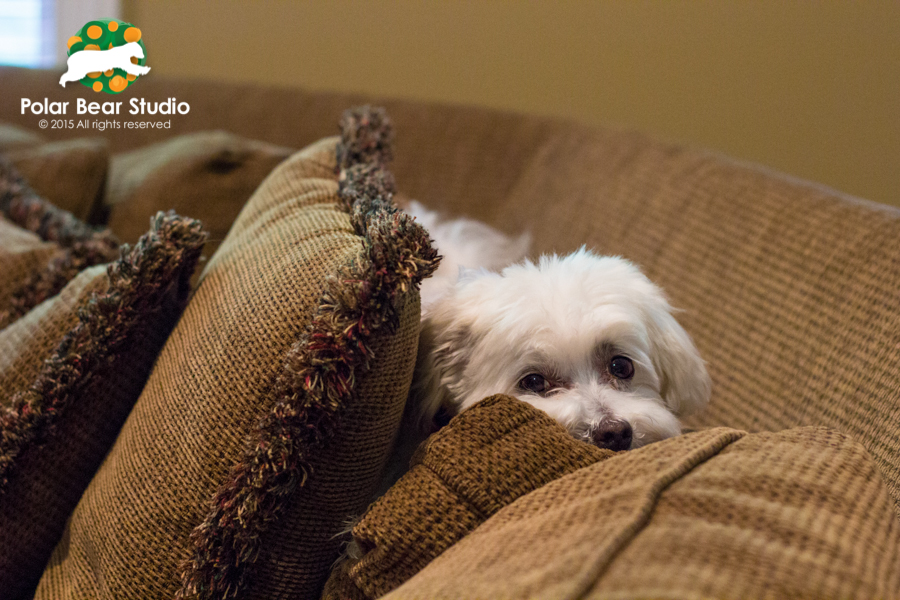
(587,339)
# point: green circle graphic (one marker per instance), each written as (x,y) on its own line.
(100,35)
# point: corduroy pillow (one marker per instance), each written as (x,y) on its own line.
(803,513)
(209,175)
(34,271)
(487,457)
(270,413)
(70,370)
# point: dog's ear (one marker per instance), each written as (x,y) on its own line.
(444,351)
(685,383)
(446,342)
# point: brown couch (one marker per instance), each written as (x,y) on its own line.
(790,290)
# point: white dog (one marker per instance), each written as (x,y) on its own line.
(588,339)
(96,61)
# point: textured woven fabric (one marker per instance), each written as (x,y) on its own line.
(213,386)
(74,246)
(22,253)
(208,175)
(70,370)
(486,458)
(322,410)
(716,514)
(789,291)
(302,550)
(70,174)
(26,343)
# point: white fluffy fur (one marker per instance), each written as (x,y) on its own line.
(464,242)
(482,331)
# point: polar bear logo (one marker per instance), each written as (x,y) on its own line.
(93,61)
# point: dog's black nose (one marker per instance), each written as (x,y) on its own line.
(613,434)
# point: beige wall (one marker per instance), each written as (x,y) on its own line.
(810,88)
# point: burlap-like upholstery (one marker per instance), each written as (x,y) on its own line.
(486,458)
(70,370)
(802,513)
(209,175)
(70,174)
(788,288)
(212,420)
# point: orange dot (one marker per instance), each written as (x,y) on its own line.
(110,46)
(131,77)
(132,34)
(118,83)
(113,26)
(73,40)
(108,73)
(95,74)
(94,32)
(92,47)
(134,60)
(97,86)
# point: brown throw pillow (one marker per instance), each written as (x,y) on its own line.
(270,413)
(13,137)
(803,513)
(22,253)
(487,457)
(209,175)
(34,271)
(70,174)
(70,370)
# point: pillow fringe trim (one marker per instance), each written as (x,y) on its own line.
(319,372)
(143,275)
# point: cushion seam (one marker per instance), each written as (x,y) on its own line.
(598,565)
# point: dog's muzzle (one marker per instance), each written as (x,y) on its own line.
(614,434)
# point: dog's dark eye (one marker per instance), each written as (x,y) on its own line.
(534,382)
(621,367)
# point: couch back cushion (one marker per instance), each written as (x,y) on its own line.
(788,288)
